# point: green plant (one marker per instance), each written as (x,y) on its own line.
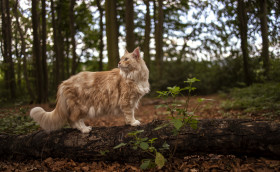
(180,116)
(146,145)
(257,98)
(104,152)
(17,124)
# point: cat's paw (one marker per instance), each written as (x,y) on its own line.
(135,123)
(86,129)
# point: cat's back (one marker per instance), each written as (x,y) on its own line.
(106,75)
(88,79)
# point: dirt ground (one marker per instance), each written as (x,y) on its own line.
(146,113)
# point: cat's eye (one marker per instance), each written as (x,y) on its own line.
(126,59)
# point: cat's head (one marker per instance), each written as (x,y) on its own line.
(130,61)
(132,66)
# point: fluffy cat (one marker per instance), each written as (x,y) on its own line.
(90,94)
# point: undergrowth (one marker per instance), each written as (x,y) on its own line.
(12,122)
(257,98)
(180,116)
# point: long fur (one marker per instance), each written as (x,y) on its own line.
(90,94)
(53,120)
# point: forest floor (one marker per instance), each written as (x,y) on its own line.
(147,112)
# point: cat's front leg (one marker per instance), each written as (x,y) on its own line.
(130,119)
(80,125)
(135,123)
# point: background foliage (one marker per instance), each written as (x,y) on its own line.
(179,40)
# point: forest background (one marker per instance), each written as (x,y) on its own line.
(224,43)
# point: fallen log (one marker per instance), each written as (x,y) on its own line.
(238,137)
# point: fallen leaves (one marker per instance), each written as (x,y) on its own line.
(62,164)
(194,163)
(147,113)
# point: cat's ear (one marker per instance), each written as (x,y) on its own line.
(136,53)
(125,52)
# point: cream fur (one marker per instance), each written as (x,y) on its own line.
(90,94)
(49,121)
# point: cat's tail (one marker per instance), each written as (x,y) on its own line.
(50,121)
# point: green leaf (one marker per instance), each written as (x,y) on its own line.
(191,113)
(165,145)
(119,145)
(160,106)
(103,152)
(144,145)
(193,88)
(144,139)
(163,93)
(192,80)
(200,99)
(174,90)
(160,160)
(193,123)
(152,140)
(146,163)
(177,123)
(161,126)
(186,88)
(134,133)
(204,99)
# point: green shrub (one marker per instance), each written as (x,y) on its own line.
(16,123)
(216,75)
(274,74)
(255,98)
(181,116)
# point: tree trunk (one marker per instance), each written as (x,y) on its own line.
(101,26)
(23,52)
(112,33)
(264,31)
(159,38)
(9,73)
(129,24)
(67,57)
(239,137)
(73,41)
(56,70)
(60,39)
(36,53)
(18,56)
(44,54)
(146,46)
(243,29)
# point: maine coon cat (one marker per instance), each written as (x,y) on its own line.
(90,94)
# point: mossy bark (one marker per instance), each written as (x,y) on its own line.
(238,137)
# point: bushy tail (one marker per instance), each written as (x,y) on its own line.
(50,121)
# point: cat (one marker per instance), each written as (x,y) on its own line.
(90,94)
